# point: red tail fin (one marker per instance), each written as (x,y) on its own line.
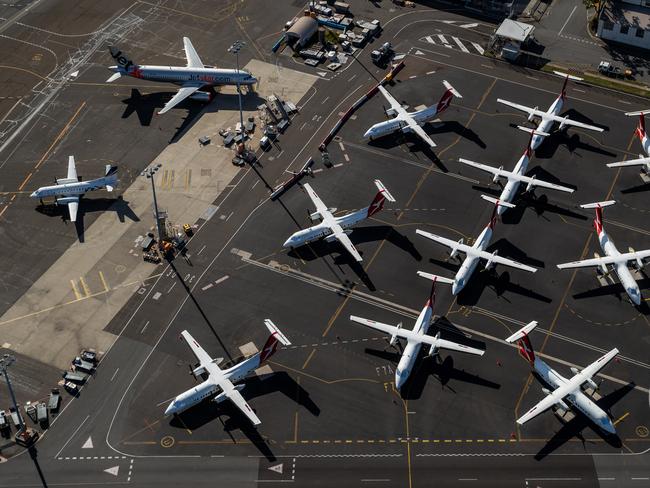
(493,219)
(269,348)
(640,129)
(432,295)
(598,221)
(526,349)
(529,148)
(445,101)
(377,204)
(563,93)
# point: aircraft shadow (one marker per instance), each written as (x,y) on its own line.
(412,143)
(378,232)
(617,290)
(572,142)
(207,411)
(636,189)
(507,248)
(575,426)
(87,206)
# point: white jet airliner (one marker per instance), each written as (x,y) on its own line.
(551,116)
(418,336)
(569,389)
(645,144)
(219,384)
(476,252)
(67,191)
(410,121)
(337,228)
(515,177)
(612,256)
(193,78)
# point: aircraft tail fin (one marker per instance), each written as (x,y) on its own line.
(640,129)
(446,98)
(378,202)
(122,59)
(272,341)
(566,77)
(523,341)
(497,204)
(598,221)
(110,174)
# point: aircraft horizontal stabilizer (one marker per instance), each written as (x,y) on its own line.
(598,204)
(498,202)
(273,329)
(452,89)
(567,75)
(114,77)
(438,278)
(533,131)
(640,112)
(524,331)
(631,162)
(380,186)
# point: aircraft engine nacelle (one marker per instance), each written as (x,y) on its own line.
(574,370)
(562,404)
(391,112)
(563,123)
(201,96)
(220,397)
(530,185)
(315,216)
(592,383)
(490,263)
(197,372)
(638,263)
(454,251)
(393,338)
(546,391)
(495,178)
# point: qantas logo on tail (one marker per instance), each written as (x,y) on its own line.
(377,204)
(493,219)
(444,102)
(269,348)
(640,129)
(598,221)
(526,349)
(563,93)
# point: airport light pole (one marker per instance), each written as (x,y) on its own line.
(149,173)
(5,361)
(235,48)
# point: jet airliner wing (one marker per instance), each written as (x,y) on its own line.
(73,208)
(415,337)
(515,176)
(621,258)
(470,251)
(193,60)
(181,95)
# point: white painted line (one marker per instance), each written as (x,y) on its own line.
(442,39)
(173,285)
(567,20)
(303,126)
(352,78)
(460,44)
(430,40)
(222,279)
(230,215)
(341,146)
(347,158)
(412,76)
(70,438)
(207,287)
(487,66)
(478,47)
(156,295)
(626,103)
(468,26)
(554,479)
(578,90)
(145,326)
(640,479)
(375,480)
(430,72)
(337,165)
(467,479)
(200,251)
(532,78)
(114,374)
(324,100)
(255,184)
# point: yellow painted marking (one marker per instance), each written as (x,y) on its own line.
(447,440)
(348,441)
(479,440)
(3,210)
(22,185)
(311,354)
(75,290)
(304,442)
(502,440)
(84,285)
(436,441)
(188,179)
(61,134)
(392,441)
(338,441)
(425,440)
(490,440)
(622,417)
(101,277)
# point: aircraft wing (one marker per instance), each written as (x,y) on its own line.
(547,402)
(523,108)
(470,251)
(515,176)
(621,258)
(204,359)
(412,125)
(72,169)
(394,104)
(181,95)
(73,207)
(599,364)
(321,208)
(193,60)
(567,121)
(412,336)
(343,238)
(630,162)
(235,397)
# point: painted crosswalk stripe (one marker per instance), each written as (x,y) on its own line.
(460,44)
(430,40)
(478,47)
(443,40)
(468,26)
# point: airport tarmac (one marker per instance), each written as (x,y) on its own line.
(330,412)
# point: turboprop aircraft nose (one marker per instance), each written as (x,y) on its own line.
(367,134)
(607,425)
(171,409)
(400,378)
(457,286)
(34,194)
(288,243)
(635,295)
